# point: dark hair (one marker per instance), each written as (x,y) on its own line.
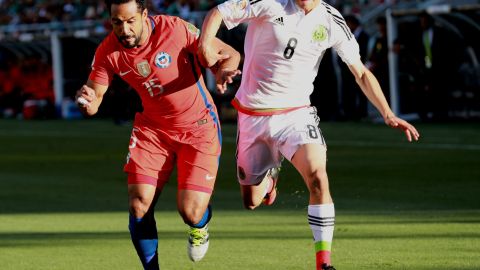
(141,5)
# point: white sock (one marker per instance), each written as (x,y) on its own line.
(321,218)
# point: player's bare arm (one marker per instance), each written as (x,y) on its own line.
(220,57)
(90,96)
(227,68)
(206,52)
(371,88)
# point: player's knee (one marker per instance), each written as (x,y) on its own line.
(192,215)
(251,197)
(138,207)
(318,181)
(250,204)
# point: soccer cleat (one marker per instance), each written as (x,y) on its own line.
(197,243)
(327,267)
(272,195)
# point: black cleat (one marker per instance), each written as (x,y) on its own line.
(327,267)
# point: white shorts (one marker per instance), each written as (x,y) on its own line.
(263,141)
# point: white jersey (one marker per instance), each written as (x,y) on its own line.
(283,49)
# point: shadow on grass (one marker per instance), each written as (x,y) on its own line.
(65,238)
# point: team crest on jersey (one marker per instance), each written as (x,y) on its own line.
(144,68)
(163,60)
(193,29)
(320,33)
(237,6)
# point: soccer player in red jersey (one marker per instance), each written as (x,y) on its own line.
(179,124)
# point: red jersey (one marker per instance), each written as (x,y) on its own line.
(164,71)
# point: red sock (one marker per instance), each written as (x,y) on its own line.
(323,257)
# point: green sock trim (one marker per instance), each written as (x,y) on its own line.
(323,246)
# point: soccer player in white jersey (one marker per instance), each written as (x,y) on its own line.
(284,44)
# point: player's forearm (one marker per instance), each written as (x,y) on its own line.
(232,62)
(89,97)
(210,27)
(371,88)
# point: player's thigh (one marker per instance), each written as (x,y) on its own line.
(198,157)
(310,159)
(197,173)
(299,127)
(304,143)
(150,155)
(256,150)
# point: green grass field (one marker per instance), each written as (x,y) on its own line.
(63,202)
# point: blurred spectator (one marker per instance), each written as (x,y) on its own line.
(377,60)
(26,89)
(11,95)
(353,101)
(205,5)
(408,70)
(15,12)
(181,8)
(439,51)
(30,11)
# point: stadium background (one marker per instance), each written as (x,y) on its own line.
(399,206)
(46,49)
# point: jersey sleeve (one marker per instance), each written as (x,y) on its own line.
(345,43)
(102,72)
(187,34)
(235,12)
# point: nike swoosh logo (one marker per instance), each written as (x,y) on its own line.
(124,73)
(208,177)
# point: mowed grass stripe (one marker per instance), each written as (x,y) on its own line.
(399,205)
(278,239)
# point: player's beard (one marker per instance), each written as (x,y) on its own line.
(125,43)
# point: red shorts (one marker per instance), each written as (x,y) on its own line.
(153,153)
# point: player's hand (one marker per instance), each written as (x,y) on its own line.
(84,97)
(224,77)
(410,131)
(209,57)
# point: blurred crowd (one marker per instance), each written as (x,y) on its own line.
(43,11)
(26,89)
(27,82)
